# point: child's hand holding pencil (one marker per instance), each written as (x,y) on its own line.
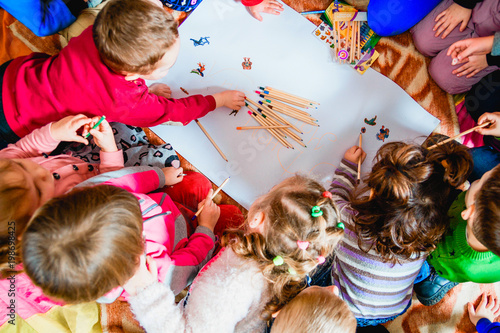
(209,216)
(355,155)
(102,132)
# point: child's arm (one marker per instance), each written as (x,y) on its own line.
(482,316)
(152,110)
(46,138)
(255,7)
(344,179)
(188,258)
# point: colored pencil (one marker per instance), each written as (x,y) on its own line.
(276,91)
(213,196)
(95,126)
(253,113)
(272,113)
(312,12)
(307,120)
(286,100)
(274,122)
(259,127)
(459,135)
(358,23)
(286,107)
(211,140)
(359,160)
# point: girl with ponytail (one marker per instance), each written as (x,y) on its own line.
(288,233)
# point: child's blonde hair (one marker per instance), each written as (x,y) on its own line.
(132,36)
(288,219)
(406,212)
(14,193)
(317,311)
(79,246)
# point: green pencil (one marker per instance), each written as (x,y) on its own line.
(95,126)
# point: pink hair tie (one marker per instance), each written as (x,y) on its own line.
(327,194)
(320,259)
(303,245)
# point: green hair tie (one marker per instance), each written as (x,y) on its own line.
(316,211)
(278,261)
(341,225)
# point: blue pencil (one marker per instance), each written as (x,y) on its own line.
(313,12)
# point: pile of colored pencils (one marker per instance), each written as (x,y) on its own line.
(268,113)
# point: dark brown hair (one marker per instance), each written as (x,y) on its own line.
(287,210)
(406,212)
(133,35)
(486,226)
(79,246)
(317,311)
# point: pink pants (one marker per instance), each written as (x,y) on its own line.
(192,190)
(485,21)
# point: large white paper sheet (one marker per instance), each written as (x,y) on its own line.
(286,56)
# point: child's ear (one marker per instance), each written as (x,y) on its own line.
(469,212)
(257,221)
(131,76)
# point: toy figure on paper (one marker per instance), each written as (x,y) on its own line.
(246,64)
(371,122)
(199,70)
(201,41)
(363,130)
(384,134)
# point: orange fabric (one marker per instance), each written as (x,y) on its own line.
(10,46)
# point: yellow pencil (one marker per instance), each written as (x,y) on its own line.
(359,160)
(213,196)
(242,128)
(211,140)
(459,135)
(291,96)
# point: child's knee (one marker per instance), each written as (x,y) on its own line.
(442,75)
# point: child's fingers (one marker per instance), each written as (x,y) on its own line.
(470,307)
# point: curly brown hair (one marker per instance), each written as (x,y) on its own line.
(287,210)
(410,188)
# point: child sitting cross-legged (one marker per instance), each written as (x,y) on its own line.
(289,231)
(84,245)
(315,309)
(102,72)
(391,224)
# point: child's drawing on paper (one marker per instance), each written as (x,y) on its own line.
(363,130)
(371,122)
(201,41)
(246,64)
(234,112)
(199,70)
(184,91)
(384,134)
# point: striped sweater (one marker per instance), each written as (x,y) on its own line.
(372,288)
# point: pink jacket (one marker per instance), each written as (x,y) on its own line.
(178,257)
(38,89)
(68,171)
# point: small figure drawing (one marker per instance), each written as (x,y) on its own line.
(184,91)
(247,64)
(199,70)
(201,41)
(384,134)
(371,122)
(234,112)
(363,129)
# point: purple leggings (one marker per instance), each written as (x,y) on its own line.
(485,21)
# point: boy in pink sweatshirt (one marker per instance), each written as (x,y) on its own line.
(102,72)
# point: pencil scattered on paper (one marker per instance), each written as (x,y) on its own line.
(269,114)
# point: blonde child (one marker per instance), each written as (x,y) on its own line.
(289,231)
(391,223)
(102,72)
(315,309)
(84,245)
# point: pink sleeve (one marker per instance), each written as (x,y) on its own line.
(34,144)
(111,161)
(249,3)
